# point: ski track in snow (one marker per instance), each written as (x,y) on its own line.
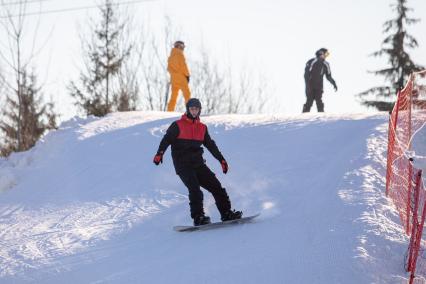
(86,205)
(34,238)
(383,237)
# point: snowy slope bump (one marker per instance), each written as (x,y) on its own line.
(87,205)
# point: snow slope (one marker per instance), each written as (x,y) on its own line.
(87,205)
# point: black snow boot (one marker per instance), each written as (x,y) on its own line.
(231,215)
(306,108)
(201,220)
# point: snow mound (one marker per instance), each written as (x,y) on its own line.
(87,204)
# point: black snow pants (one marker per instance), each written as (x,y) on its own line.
(202,176)
(311,95)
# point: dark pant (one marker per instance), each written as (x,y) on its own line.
(202,176)
(311,95)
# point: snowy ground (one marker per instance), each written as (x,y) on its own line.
(87,205)
(418,141)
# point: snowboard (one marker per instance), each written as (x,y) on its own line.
(215,225)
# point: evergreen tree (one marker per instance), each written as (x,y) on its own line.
(394,47)
(25,119)
(24,116)
(99,92)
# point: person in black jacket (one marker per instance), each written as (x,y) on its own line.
(315,70)
(186,137)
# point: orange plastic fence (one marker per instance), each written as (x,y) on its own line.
(404,183)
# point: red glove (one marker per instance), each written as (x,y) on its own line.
(224,165)
(158,158)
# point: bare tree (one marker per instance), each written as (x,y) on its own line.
(211,82)
(223,92)
(251,95)
(98,91)
(156,81)
(209,85)
(129,86)
(25,116)
(2,85)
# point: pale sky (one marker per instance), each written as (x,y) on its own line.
(271,37)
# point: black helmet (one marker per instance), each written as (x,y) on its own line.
(321,51)
(179,43)
(193,102)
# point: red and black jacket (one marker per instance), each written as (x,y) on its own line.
(186,136)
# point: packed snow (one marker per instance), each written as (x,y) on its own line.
(87,205)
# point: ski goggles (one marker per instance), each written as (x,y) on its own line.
(326,54)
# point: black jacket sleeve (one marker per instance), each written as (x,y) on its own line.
(307,70)
(328,74)
(212,147)
(170,136)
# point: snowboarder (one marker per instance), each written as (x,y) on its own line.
(186,136)
(315,70)
(179,74)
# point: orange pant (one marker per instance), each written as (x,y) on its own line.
(175,91)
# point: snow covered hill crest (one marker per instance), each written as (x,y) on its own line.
(87,205)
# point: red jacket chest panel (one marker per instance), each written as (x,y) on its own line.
(191,130)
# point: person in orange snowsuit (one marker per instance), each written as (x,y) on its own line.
(179,74)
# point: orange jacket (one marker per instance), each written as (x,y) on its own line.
(177,66)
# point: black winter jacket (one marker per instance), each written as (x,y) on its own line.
(186,137)
(315,70)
